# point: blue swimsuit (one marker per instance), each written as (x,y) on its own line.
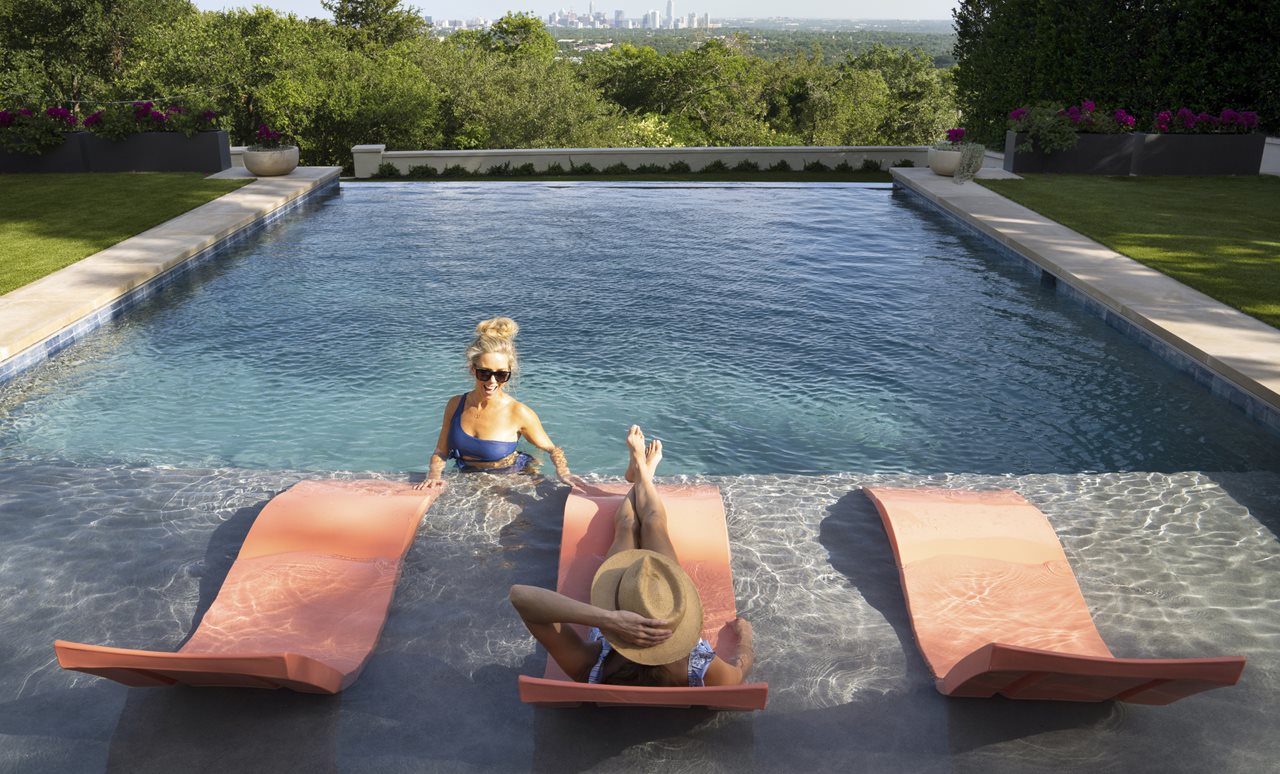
(700,659)
(462,443)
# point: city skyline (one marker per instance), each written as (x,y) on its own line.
(634,9)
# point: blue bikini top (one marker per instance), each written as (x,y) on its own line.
(463,444)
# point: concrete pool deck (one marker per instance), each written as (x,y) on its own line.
(1238,348)
(39,319)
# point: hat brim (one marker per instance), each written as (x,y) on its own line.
(685,635)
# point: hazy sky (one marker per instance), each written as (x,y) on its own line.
(465,9)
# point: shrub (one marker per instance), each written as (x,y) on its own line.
(499,170)
(844,167)
(582,169)
(33,132)
(715,166)
(870,165)
(1187,121)
(781,166)
(816,166)
(650,169)
(421,172)
(746,165)
(553,169)
(387,169)
(617,169)
(456,170)
(524,170)
(678,168)
(904,163)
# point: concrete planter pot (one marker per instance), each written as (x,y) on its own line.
(206,152)
(270,163)
(1198,154)
(944,162)
(1093,154)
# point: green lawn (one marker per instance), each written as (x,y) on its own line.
(1220,235)
(50,221)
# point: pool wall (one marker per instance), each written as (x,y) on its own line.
(41,319)
(1231,354)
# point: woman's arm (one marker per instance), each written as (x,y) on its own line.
(531,429)
(441,453)
(545,612)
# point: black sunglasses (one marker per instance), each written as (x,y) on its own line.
(485,374)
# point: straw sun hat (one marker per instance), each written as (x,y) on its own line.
(654,586)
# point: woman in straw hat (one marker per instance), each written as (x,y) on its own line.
(645,613)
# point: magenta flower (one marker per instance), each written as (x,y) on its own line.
(1124,119)
(93,119)
(7,119)
(209,115)
(1017,114)
(1087,105)
(25,112)
(954,136)
(1248,119)
(158,117)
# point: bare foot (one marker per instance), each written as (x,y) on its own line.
(635,444)
(652,456)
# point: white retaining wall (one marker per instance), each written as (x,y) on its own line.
(1271,157)
(369,157)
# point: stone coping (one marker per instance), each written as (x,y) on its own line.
(1236,347)
(40,318)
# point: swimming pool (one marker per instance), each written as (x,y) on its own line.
(860,330)
(756,328)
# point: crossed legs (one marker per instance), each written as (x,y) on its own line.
(641,520)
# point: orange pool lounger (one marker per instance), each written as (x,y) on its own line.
(697,528)
(996,608)
(302,606)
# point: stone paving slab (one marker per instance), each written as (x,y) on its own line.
(36,312)
(1234,345)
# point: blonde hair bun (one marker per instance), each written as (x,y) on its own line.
(498,328)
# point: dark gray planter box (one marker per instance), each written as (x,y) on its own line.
(67,157)
(1093,154)
(1198,154)
(206,152)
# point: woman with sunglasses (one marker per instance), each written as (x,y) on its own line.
(481,428)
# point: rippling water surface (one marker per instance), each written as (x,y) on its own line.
(755,328)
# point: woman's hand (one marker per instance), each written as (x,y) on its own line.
(429,483)
(746,652)
(634,629)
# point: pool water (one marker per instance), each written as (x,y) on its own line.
(755,328)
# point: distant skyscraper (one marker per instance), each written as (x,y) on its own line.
(651,20)
(706,20)
(619,18)
(671,14)
(693,20)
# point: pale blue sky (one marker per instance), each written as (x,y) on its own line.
(463,9)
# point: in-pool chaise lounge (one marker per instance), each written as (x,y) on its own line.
(996,608)
(698,531)
(302,606)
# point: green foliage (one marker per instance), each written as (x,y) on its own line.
(1143,55)
(617,169)
(387,169)
(780,166)
(374,22)
(678,168)
(816,166)
(904,163)
(845,166)
(582,169)
(499,170)
(715,166)
(1046,128)
(32,132)
(650,169)
(554,169)
(422,172)
(768,44)
(920,102)
(520,35)
(869,165)
(972,154)
(746,165)
(456,170)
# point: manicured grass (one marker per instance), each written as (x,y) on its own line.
(764,176)
(51,221)
(1220,235)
